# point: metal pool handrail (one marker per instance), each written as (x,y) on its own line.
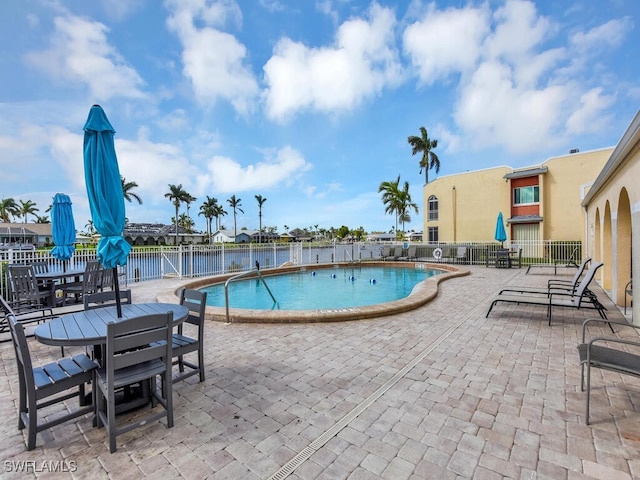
(238,276)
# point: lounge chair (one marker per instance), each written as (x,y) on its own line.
(393,254)
(571,262)
(582,298)
(411,254)
(620,355)
(552,284)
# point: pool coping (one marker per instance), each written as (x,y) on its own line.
(422,293)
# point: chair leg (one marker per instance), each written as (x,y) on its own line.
(32,428)
(111,418)
(588,391)
(201,362)
(168,397)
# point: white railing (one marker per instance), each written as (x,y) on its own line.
(190,261)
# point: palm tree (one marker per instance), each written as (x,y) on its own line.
(42,219)
(27,208)
(127,188)
(218,212)
(188,199)
(186,222)
(429,159)
(391,197)
(90,228)
(405,204)
(260,201)
(207,210)
(8,208)
(235,203)
(177,195)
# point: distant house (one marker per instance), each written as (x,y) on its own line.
(159,234)
(381,237)
(15,234)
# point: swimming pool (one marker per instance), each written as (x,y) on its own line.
(321,289)
(421,294)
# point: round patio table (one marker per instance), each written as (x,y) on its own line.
(89,327)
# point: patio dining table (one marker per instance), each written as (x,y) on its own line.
(89,327)
(51,278)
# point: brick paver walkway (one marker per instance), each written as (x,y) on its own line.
(439,392)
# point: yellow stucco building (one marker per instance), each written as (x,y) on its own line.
(541,202)
(612,218)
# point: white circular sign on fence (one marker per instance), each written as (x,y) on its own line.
(437,253)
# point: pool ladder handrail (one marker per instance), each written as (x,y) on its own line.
(237,277)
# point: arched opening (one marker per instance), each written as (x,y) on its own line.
(607,249)
(623,246)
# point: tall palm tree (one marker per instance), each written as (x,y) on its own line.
(260,201)
(27,208)
(189,199)
(186,222)
(90,228)
(8,208)
(429,159)
(127,188)
(405,204)
(207,210)
(235,203)
(391,197)
(177,195)
(218,212)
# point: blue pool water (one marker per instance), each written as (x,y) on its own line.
(330,288)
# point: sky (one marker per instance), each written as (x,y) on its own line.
(307,103)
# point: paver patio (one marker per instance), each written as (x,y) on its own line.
(439,392)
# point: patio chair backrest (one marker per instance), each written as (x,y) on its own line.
(138,340)
(23,282)
(576,278)
(584,283)
(40,267)
(105,299)
(91,277)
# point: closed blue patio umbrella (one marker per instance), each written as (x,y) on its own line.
(104,189)
(63,228)
(501,234)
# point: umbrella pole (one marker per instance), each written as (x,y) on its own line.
(116,287)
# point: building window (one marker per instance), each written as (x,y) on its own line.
(432,212)
(433,234)
(526,195)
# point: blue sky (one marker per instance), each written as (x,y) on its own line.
(307,103)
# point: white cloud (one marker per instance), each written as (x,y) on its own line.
(609,34)
(360,65)
(81,54)
(214,61)
(445,42)
(225,175)
(589,116)
(493,110)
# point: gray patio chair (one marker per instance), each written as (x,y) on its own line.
(40,387)
(552,284)
(582,298)
(135,354)
(616,354)
(196,302)
(90,282)
(411,254)
(105,299)
(26,296)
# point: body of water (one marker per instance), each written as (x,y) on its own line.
(322,289)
